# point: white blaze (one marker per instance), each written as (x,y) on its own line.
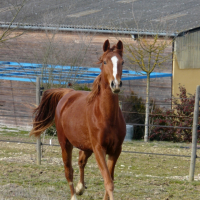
(114,61)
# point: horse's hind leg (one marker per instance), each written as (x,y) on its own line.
(67,160)
(83,157)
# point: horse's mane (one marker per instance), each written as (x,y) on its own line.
(96,87)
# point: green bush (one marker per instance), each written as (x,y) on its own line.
(51,130)
(81,87)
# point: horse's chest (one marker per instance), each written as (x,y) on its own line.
(111,138)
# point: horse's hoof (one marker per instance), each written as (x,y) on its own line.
(74,197)
(79,188)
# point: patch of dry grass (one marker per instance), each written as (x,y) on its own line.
(137,176)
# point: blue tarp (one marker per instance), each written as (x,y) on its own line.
(28,72)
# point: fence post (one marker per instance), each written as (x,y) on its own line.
(194,135)
(38,145)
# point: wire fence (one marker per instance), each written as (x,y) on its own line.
(17,99)
(131,152)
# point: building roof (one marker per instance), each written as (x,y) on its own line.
(143,16)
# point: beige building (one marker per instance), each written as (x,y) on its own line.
(186,62)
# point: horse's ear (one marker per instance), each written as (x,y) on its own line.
(120,45)
(106,45)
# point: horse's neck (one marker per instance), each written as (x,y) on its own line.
(106,103)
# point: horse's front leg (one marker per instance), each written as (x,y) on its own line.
(100,155)
(112,159)
(83,157)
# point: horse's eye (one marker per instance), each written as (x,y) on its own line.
(122,62)
(104,62)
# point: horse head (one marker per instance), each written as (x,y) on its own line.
(112,65)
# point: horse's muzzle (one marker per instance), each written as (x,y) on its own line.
(115,87)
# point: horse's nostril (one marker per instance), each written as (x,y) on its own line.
(120,85)
(112,84)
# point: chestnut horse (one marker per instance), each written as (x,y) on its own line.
(91,121)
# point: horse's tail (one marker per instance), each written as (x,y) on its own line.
(44,114)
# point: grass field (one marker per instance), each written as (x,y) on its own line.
(137,176)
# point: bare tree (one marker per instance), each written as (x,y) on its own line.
(62,59)
(7,33)
(148,54)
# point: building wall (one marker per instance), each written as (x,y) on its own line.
(189,78)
